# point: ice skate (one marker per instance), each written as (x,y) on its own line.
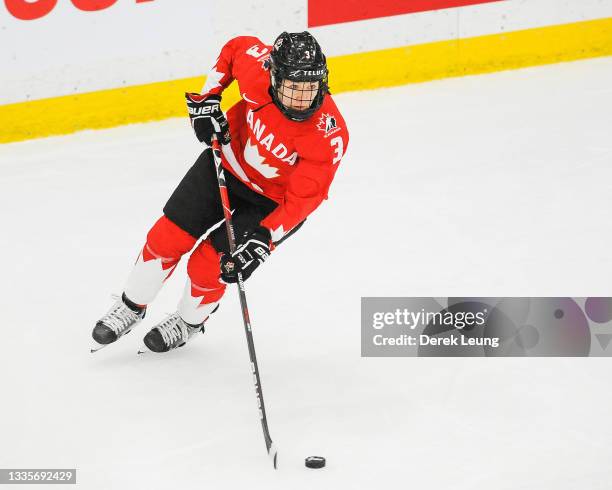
(122,317)
(171,333)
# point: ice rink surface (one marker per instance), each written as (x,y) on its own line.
(496,185)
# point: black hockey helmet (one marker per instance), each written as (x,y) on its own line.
(297,57)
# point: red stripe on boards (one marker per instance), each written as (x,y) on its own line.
(324,12)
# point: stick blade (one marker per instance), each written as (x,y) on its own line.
(273,454)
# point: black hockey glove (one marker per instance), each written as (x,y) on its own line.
(252,250)
(207,118)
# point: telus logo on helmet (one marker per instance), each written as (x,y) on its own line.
(306,73)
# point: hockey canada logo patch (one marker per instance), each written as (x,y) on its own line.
(327,124)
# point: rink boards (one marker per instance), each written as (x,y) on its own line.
(108,82)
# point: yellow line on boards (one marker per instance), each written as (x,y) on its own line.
(360,71)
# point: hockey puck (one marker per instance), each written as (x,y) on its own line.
(315,462)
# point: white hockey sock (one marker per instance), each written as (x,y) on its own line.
(147,278)
(191,308)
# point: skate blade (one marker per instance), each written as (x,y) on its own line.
(143,349)
(95,347)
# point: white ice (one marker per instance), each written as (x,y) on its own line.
(496,185)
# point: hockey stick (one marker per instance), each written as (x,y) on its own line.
(231,238)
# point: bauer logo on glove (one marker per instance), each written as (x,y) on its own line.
(207,118)
(196,111)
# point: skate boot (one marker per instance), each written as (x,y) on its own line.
(123,316)
(171,333)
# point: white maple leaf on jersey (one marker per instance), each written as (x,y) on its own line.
(277,234)
(255,160)
(213,79)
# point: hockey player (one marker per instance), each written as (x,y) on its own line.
(281,146)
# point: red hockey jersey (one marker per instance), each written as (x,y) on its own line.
(290,162)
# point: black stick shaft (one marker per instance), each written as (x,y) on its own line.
(231,238)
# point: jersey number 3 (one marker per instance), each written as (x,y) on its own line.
(339,148)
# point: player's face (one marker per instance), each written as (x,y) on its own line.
(297,95)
